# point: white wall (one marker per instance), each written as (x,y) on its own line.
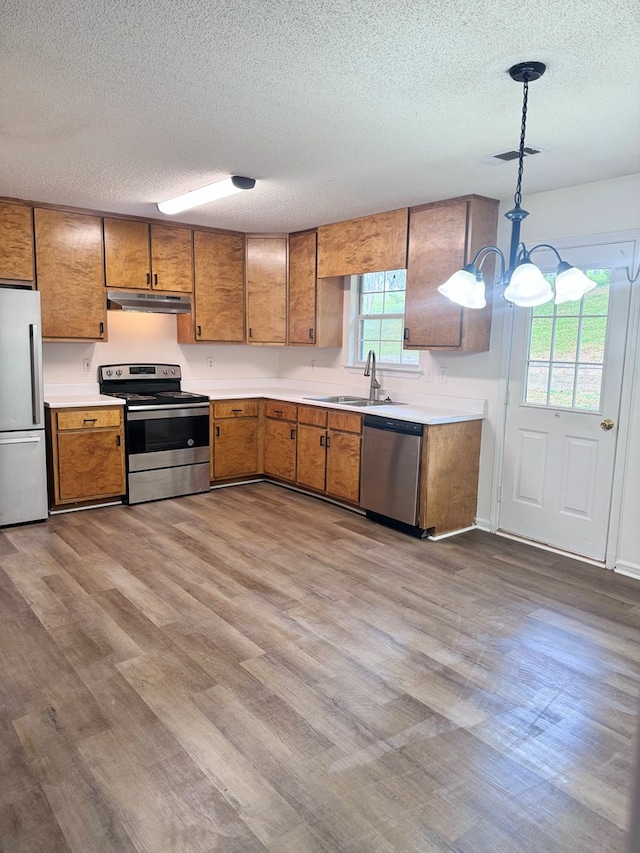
(138,337)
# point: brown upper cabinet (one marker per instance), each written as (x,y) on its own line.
(218,312)
(70,275)
(16,243)
(141,256)
(315,305)
(443,237)
(368,244)
(266,265)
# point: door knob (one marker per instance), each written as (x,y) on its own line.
(607,424)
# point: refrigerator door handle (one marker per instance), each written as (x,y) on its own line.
(36,373)
(31,440)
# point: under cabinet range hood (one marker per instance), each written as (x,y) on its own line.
(159,303)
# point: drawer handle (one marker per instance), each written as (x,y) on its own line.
(237,410)
(406,334)
(277,411)
(310,334)
(89,420)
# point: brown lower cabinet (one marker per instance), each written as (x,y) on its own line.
(235,439)
(329,444)
(280,439)
(86,455)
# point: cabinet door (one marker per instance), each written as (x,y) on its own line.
(235,447)
(16,242)
(267,289)
(70,272)
(442,238)
(437,238)
(312,451)
(90,464)
(171,259)
(343,466)
(302,288)
(127,258)
(367,244)
(280,449)
(219,305)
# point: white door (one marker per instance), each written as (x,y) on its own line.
(565,379)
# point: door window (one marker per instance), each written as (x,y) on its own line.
(566,346)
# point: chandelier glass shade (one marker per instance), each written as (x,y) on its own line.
(523,282)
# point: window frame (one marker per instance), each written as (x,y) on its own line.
(357,323)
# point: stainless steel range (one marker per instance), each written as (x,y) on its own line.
(166,430)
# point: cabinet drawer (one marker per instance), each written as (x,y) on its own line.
(345,422)
(312,415)
(236,409)
(284,411)
(89,419)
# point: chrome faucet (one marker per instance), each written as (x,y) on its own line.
(370,370)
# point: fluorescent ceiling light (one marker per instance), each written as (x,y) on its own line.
(211,192)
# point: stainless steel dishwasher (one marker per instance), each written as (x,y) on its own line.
(390,476)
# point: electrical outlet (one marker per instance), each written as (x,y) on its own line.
(210,361)
(313,365)
(86,365)
(443,375)
(428,374)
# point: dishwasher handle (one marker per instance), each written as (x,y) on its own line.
(392,425)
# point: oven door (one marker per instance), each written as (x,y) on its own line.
(167,436)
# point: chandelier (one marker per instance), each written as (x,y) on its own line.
(523,281)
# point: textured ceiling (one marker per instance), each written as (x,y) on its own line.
(338,109)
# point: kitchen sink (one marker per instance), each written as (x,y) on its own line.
(359,402)
(366,403)
(351,401)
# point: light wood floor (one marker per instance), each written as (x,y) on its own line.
(254,670)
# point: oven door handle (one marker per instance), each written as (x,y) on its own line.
(145,413)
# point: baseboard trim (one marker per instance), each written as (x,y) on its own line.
(630,570)
(450,533)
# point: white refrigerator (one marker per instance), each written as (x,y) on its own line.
(23,467)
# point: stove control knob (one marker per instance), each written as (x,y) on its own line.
(174,370)
(118,372)
(109,372)
(165,371)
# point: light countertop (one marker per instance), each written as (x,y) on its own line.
(428,413)
(68,401)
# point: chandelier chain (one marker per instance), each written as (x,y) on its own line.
(523,127)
